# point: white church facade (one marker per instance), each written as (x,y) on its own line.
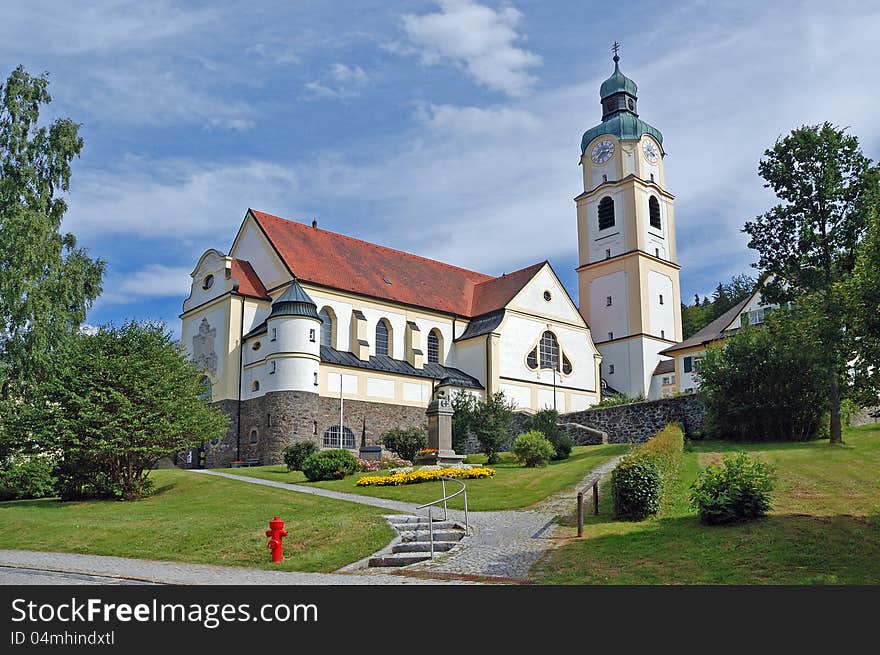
(305,333)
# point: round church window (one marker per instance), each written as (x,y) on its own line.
(547,296)
(209,282)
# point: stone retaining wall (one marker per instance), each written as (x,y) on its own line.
(637,422)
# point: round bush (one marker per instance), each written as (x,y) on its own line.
(738,490)
(533,449)
(406,442)
(329,465)
(635,488)
(296,453)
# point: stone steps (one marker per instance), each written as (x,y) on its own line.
(423,546)
(399,559)
(415,540)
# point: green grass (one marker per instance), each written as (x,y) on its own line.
(203,519)
(824,526)
(512,487)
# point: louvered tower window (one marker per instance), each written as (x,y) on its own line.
(606,213)
(654,212)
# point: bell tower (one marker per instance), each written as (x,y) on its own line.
(628,271)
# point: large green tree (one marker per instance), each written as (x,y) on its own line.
(809,241)
(114,403)
(46,282)
(864,302)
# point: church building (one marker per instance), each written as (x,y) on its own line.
(307,334)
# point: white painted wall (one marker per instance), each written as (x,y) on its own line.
(292,336)
(252,246)
(531,300)
(604,319)
(520,334)
(545,400)
(470,357)
(211,263)
(218,318)
(380,388)
(688,381)
(518,394)
(661,318)
(613,238)
(349,383)
(417,391)
(618,354)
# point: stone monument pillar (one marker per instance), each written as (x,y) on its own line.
(439,414)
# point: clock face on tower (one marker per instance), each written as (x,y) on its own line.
(603,151)
(652,153)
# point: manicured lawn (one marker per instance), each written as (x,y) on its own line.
(204,519)
(513,485)
(824,526)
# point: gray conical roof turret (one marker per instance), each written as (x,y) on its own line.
(294,302)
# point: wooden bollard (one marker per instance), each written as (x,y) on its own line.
(580,514)
(596,498)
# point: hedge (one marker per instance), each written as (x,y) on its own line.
(646,478)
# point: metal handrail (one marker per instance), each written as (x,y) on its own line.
(445,508)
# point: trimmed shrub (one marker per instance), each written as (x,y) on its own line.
(329,465)
(28,477)
(296,453)
(533,449)
(546,422)
(406,442)
(645,478)
(635,487)
(738,490)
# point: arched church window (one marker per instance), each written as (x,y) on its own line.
(383,332)
(532,359)
(255,436)
(255,386)
(606,213)
(338,437)
(433,347)
(327,324)
(548,351)
(566,365)
(654,211)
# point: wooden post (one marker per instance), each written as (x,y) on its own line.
(596,498)
(580,514)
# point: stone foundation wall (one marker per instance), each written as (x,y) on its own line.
(637,422)
(271,422)
(865,416)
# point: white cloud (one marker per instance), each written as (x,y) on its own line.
(480,39)
(341,81)
(152,281)
(477,121)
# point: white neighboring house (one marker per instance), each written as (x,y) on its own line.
(687,355)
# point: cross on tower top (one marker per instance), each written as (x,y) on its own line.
(615,48)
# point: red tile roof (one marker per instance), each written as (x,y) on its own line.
(496,293)
(342,262)
(249,283)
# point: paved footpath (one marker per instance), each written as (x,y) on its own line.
(504,543)
(30,567)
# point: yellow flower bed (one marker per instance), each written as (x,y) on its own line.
(413,477)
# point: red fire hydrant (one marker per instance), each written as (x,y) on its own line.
(276,533)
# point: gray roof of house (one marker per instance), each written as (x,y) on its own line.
(482,325)
(386,364)
(712,332)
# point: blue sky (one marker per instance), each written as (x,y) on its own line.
(450,129)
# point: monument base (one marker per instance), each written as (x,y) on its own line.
(441,457)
